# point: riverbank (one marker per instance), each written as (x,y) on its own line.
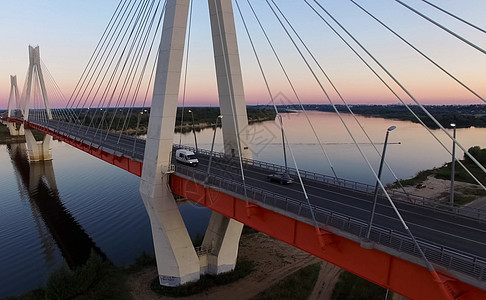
(464,116)
(467,194)
(6,138)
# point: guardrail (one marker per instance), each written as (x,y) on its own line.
(451,259)
(97,140)
(402,197)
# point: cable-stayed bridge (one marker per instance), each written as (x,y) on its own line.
(410,246)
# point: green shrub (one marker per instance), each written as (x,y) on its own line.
(352,287)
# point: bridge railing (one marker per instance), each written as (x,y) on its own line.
(350,185)
(451,259)
(97,138)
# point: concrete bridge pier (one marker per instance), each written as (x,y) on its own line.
(38,150)
(221,239)
(15,129)
(177,261)
(223,234)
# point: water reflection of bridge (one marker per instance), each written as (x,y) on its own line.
(38,182)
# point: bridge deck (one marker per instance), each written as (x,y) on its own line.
(451,239)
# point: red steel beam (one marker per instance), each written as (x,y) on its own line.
(401,276)
(127,164)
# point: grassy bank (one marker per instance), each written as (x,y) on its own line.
(97,279)
(352,287)
(462,194)
(444,172)
(297,286)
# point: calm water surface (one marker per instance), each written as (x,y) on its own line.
(55,212)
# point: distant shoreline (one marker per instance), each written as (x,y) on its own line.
(464,116)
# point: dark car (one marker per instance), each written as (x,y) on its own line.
(282,178)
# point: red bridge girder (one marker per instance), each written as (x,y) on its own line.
(125,163)
(401,276)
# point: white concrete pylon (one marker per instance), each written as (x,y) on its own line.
(223,234)
(177,261)
(230,82)
(13,98)
(35,70)
(14,95)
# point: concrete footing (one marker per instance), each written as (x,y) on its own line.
(177,261)
(38,150)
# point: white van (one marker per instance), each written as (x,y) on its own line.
(186,157)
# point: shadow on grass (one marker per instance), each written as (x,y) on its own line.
(296,286)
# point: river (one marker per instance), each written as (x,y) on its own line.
(55,212)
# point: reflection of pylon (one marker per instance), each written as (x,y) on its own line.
(35,70)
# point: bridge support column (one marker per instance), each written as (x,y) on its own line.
(222,238)
(38,150)
(223,234)
(15,129)
(177,261)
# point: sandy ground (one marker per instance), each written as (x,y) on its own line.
(273,261)
(439,189)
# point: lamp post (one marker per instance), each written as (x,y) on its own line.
(375,197)
(453,165)
(193,129)
(212,147)
(279,116)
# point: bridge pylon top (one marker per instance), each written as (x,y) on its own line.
(14,95)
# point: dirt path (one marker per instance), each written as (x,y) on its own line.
(273,261)
(328,277)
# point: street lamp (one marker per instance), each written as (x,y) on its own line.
(453,165)
(212,147)
(375,197)
(194,130)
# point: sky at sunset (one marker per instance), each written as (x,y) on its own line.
(68,31)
